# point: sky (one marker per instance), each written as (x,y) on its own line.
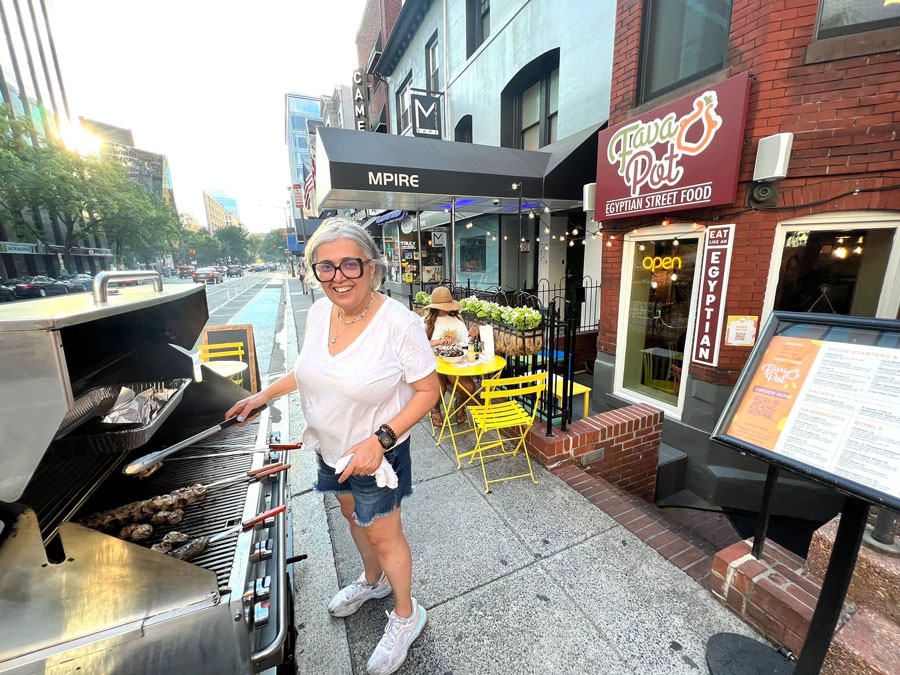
(203,82)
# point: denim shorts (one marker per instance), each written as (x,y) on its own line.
(371,501)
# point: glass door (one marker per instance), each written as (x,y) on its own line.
(659,316)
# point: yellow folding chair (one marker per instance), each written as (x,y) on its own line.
(501,411)
(223,350)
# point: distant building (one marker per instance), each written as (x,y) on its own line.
(337,109)
(150,169)
(231,219)
(228,203)
(298,108)
(215,213)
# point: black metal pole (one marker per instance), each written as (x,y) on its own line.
(452,241)
(548,346)
(421,265)
(765,507)
(519,238)
(834,586)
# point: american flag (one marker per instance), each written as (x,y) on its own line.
(309,184)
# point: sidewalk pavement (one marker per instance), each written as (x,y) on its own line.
(527,579)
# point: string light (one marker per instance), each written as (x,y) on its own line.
(574,230)
(494,237)
(515,186)
(695,225)
(531,215)
(546,247)
(469,225)
(571,242)
(665,222)
(546,230)
(584,242)
(674,242)
(546,209)
(674,276)
(505,237)
(642,247)
(523,240)
(609,244)
(553,236)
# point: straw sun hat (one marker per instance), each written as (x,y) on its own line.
(441,299)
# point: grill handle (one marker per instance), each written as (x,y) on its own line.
(263,655)
(101,281)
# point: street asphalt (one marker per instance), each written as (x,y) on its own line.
(528,579)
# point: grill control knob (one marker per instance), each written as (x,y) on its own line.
(261,614)
(263,588)
(262,550)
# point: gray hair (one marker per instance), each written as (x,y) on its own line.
(335,228)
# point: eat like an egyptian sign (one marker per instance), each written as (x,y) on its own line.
(683,155)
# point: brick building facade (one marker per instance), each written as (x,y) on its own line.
(833,225)
(378,19)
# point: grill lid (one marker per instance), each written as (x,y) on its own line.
(55,349)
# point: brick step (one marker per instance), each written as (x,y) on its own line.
(867,644)
(876,578)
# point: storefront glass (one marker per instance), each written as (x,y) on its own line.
(433,256)
(658,317)
(833,271)
(478,252)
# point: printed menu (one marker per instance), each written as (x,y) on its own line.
(829,405)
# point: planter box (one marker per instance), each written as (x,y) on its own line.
(508,340)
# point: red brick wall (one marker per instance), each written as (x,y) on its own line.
(621,446)
(845,116)
(379,17)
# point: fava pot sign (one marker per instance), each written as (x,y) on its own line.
(682,155)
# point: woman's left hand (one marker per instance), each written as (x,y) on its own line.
(473,331)
(367,456)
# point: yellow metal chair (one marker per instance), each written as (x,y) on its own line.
(501,411)
(223,350)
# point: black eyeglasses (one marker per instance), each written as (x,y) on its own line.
(351,268)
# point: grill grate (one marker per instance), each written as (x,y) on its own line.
(205,518)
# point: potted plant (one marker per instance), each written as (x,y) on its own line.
(420,302)
(518,331)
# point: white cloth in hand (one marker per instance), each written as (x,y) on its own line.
(384,474)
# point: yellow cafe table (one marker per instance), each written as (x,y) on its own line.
(486,368)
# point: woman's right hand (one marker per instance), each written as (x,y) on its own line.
(245,406)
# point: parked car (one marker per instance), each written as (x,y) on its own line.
(272,267)
(77,283)
(39,287)
(7,293)
(207,275)
(235,271)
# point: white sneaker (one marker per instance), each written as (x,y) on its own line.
(399,634)
(349,599)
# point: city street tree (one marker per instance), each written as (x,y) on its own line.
(16,167)
(254,246)
(273,245)
(208,249)
(235,246)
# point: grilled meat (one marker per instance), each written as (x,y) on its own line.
(146,473)
(169,542)
(191,549)
(136,532)
(145,509)
(172,517)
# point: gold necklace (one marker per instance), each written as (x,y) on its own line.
(359,317)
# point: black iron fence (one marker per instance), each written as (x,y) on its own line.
(550,347)
(582,299)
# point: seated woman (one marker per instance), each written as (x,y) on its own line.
(444,327)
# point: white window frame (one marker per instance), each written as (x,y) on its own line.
(889,300)
(403,103)
(683,231)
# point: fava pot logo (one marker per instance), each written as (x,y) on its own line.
(648,153)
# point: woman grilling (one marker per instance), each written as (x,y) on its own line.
(445,329)
(365,376)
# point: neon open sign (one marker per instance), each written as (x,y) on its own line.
(654,263)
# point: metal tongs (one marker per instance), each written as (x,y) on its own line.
(154,458)
(248,450)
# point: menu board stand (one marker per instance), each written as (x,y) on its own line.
(811,400)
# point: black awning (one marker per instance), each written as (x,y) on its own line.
(363,170)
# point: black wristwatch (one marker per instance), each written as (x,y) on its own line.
(386,437)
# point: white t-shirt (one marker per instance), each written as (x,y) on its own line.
(451,324)
(346,397)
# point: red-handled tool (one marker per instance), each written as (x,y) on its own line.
(254,475)
(247,524)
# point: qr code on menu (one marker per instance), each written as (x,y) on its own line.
(762,406)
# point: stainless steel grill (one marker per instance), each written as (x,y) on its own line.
(75,599)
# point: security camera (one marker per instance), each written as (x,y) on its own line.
(496,202)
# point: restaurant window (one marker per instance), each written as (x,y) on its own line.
(403,105)
(843,17)
(833,271)
(463,131)
(478,252)
(478,24)
(432,70)
(681,42)
(658,316)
